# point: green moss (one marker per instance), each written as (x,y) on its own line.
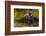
(36,12)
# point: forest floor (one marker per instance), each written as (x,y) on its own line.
(17,24)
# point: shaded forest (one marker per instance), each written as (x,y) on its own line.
(21,21)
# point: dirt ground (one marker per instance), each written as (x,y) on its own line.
(22,25)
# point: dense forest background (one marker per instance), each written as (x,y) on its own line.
(21,12)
